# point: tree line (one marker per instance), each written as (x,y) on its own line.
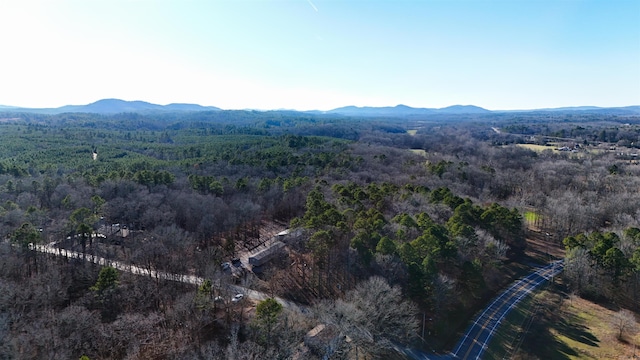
(438,228)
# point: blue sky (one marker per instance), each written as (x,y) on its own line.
(316,54)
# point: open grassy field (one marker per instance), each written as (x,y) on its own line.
(531,217)
(553,147)
(552,325)
(419,152)
(587,330)
(412,132)
(538,148)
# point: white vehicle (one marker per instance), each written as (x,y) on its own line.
(237,298)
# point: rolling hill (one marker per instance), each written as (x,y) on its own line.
(115,106)
(404,110)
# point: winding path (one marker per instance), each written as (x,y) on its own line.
(155,274)
(471,346)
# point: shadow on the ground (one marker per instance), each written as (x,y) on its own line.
(571,327)
(544,344)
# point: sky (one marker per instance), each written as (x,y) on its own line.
(321,54)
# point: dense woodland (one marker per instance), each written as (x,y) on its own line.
(393,221)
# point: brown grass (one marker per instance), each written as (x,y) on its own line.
(419,152)
(597,320)
(574,328)
(537,148)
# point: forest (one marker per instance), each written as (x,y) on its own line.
(395,230)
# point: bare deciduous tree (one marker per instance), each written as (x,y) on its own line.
(373,315)
(624,323)
(577,268)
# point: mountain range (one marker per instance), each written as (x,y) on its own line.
(403,110)
(114,106)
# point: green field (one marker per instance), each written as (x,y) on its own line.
(531,217)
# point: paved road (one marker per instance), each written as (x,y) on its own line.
(472,345)
(476,340)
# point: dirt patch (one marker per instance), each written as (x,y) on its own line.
(541,248)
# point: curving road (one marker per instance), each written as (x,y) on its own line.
(471,346)
(476,340)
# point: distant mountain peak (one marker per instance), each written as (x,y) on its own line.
(405,110)
(464,109)
(115,106)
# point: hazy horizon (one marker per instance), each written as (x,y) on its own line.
(339,107)
(321,55)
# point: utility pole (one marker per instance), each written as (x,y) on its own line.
(423,318)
